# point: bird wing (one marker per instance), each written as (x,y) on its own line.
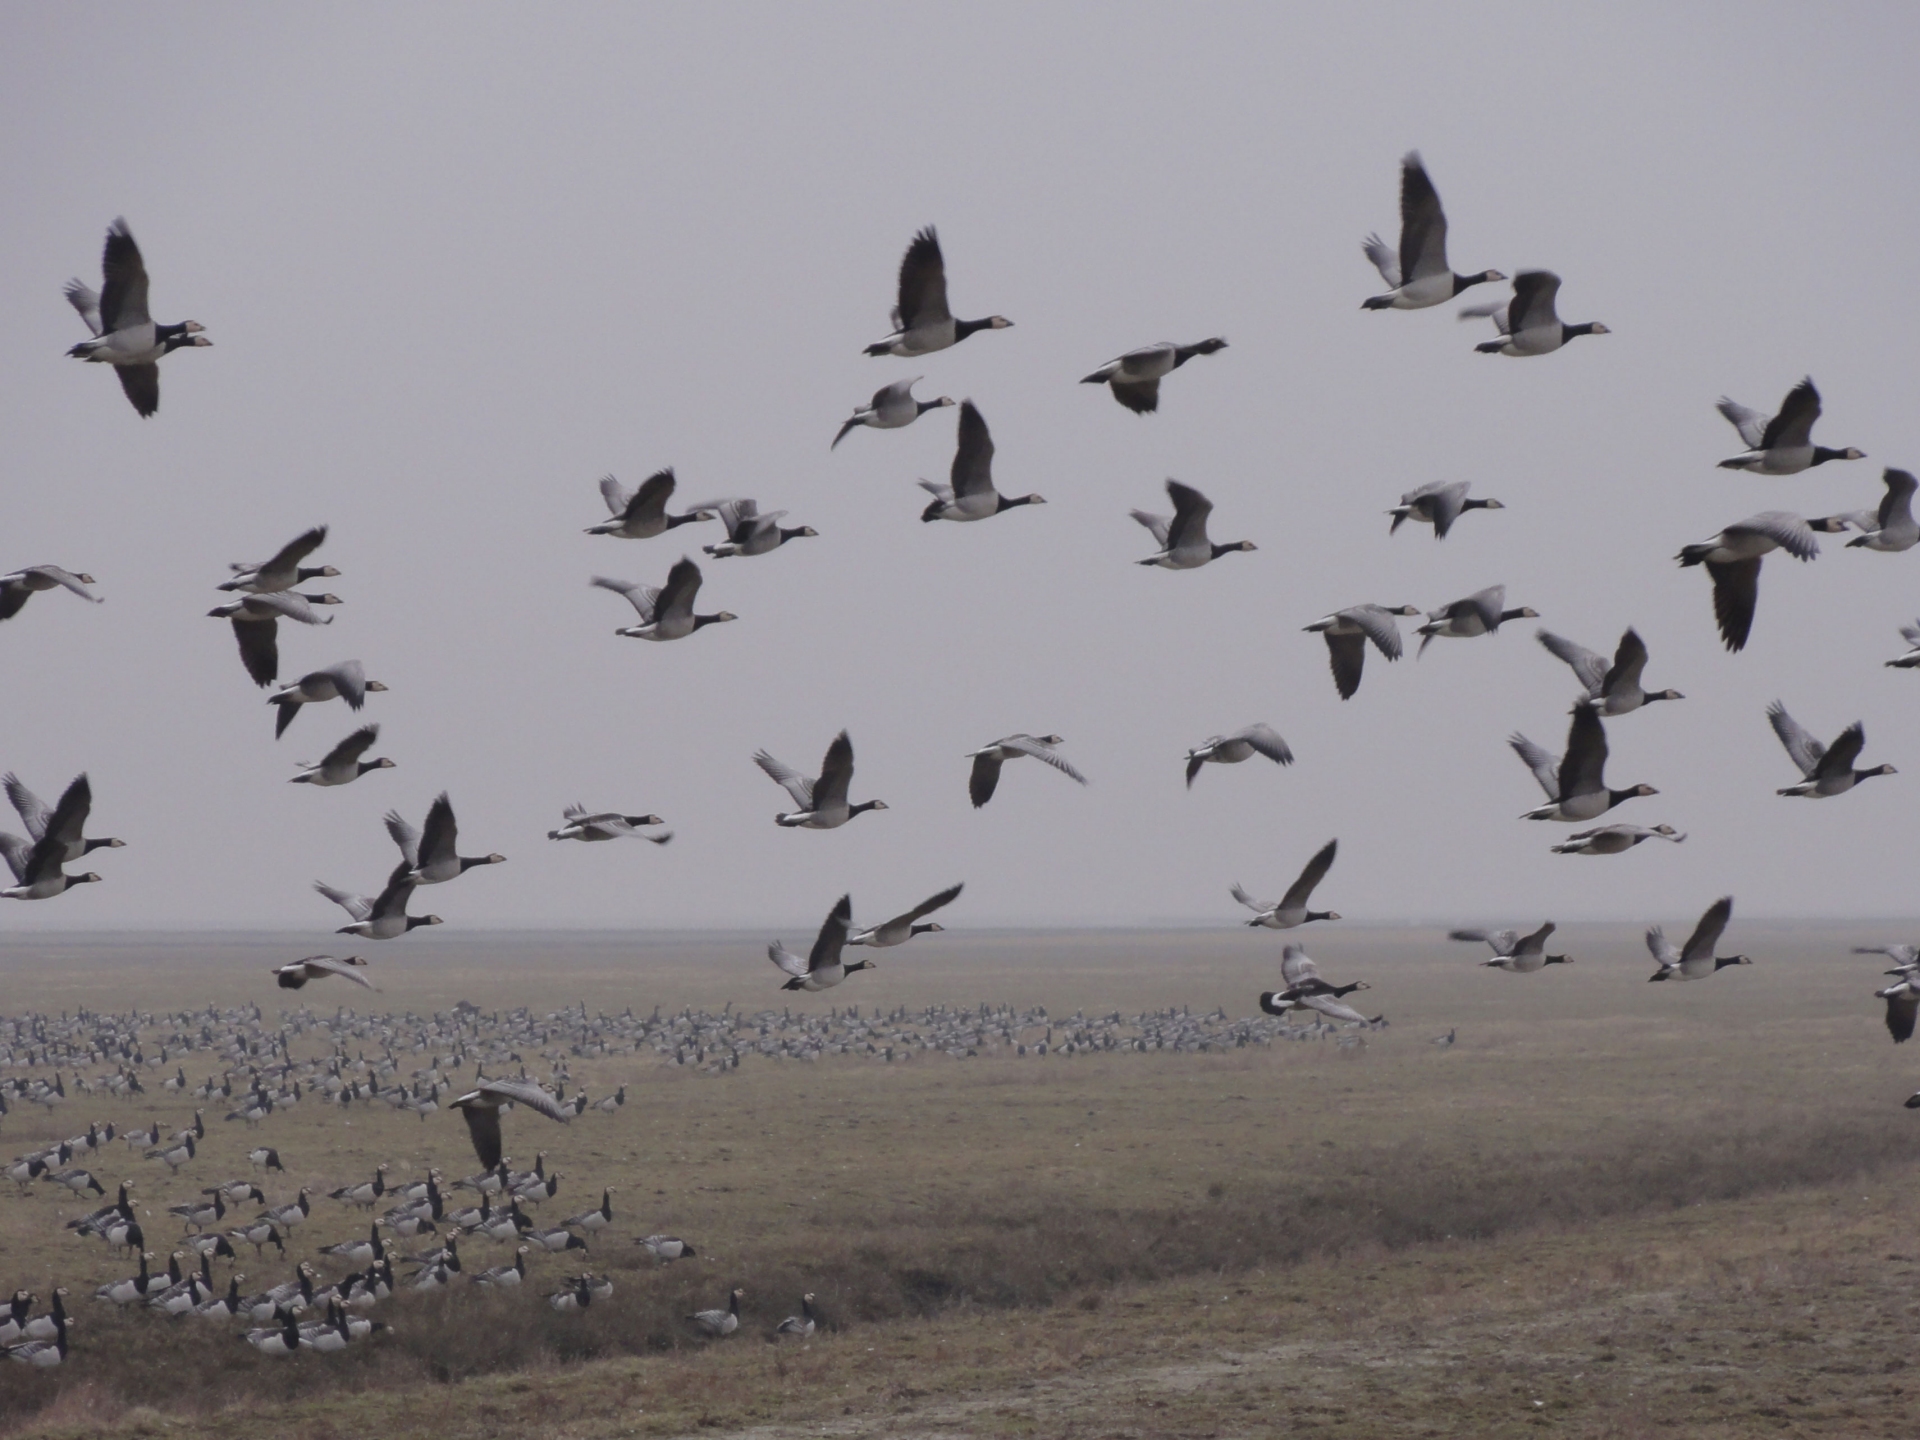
(1903,1008)
(1160,525)
(1259,907)
(793,964)
(928,906)
(1545,767)
(1629,659)
(1301,890)
(1792,425)
(1489,604)
(483,1128)
(1706,934)
(1588,667)
(18,853)
(1583,767)
(733,513)
(836,773)
(1423,224)
(923,284)
(614,493)
(1535,943)
(1751,424)
(350,680)
(1296,967)
(358,906)
(295,550)
(259,642)
(1379,626)
(683,585)
(972,472)
(341,968)
(1802,747)
(86,300)
(1384,259)
(142,386)
(983,778)
(1662,948)
(1444,503)
(1843,752)
(399,890)
(1027,745)
(69,816)
(832,938)
(795,784)
(123,291)
(1140,396)
(439,837)
(1332,1008)
(652,496)
(1533,295)
(525,1092)
(1789,531)
(644,598)
(408,838)
(33,810)
(1347,654)
(1736,590)
(1266,741)
(1898,501)
(1190,512)
(349,750)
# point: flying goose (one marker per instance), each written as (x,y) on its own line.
(432,852)
(342,765)
(1291,909)
(1417,274)
(1828,768)
(256,626)
(1243,744)
(124,335)
(1612,689)
(36,867)
(20,586)
(1575,784)
(921,321)
(1781,444)
(1516,953)
(751,533)
(1613,839)
(1891,527)
(1276,1003)
(1438,503)
(1347,632)
(284,570)
(665,613)
(1528,324)
(1910,660)
(902,928)
(384,917)
(67,819)
(891,407)
(481,1107)
(801,1324)
(1733,559)
(987,760)
(1135,377)
(344,681)
(1302,979)
(970,494)
(822,803)
(1903,1006)
(1183,537)
(1481,613)
(720,1322)
(822,968)
(643,514)
(607,825)
(1695,960)
(666,1248)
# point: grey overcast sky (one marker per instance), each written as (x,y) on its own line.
(458,261)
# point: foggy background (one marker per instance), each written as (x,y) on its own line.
(459,261)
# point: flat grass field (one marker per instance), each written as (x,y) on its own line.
(1610,1209)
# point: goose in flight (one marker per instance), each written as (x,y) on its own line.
(342,764)
(124,335)
(1481,613)
(607,825)
(1513,952)
(1347,633)
(20,586)
(344,681)
(1733,560)
(1575,784)
(67,819)
(480,1107)
(1291,909)
(1910,660)
(1903,1006)
(892,406)
(1528,324)
(383,917)
(1183,536)
(1695,960)
(296,973)
(1135,377)
(1302,978)
(666,613)
(902,928)
(921,321)
(751,533)
(1613,839)
(987,760)
(257,630)
(970,495)
(431,853)
(1438,503)
(36,865)
(37,874)
(1828,768)
(1891,527)
(1612,689)
(822,804)
(1417,274)
(284,570)
(822,968)
(1243,744)
(643,514)
(1781,444)
(1276,1003)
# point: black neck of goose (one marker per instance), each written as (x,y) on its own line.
(1318,915)
(1338,990)
(700,620)
(794,534)
(1220,550)
(1475,504)
(1721,962)
(1567,332)
(93,845)
(1821,454)
(1614,797)
(1860,775)
(688,519)
(1462,282)
(414,922)
(1007,503)
(366,765)
(863,805)
(1184,353)
(1557,960)
(964,328)
(1506,615)
(923,929)
(926,405)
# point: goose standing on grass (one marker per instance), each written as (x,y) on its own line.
(665,613)
(577,1296)
(1347,633)
(902,928)
(1183,536)
(1438,503)
(21,585)
(66,820)
(42,1354)
(643,514)
(595,1219)
(607,825)
(1417,274)
(719,1323)
(892,406)
(666,1248)
(1828,768)
(1243,744)
(1135,377)
(1575,783)
(1695,960)
(1513,952)
(384,917)
(970,495)
(822,969)
(432,852)
(344,681)
(256,626)
(801,1325)
(1291,909)
(1733,560)
(822,803)
(47,1326)
(1612,689)
(1481,613)
(506,1277)
(481,1107)
(1891,527)
(1614,839)
(343,765)
(751,533)
(1781,444)
(987,760)
(296,973)
(284,570)
(1528,324)
(280,1338)
(124,335)
(921,321)
(1910,660)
